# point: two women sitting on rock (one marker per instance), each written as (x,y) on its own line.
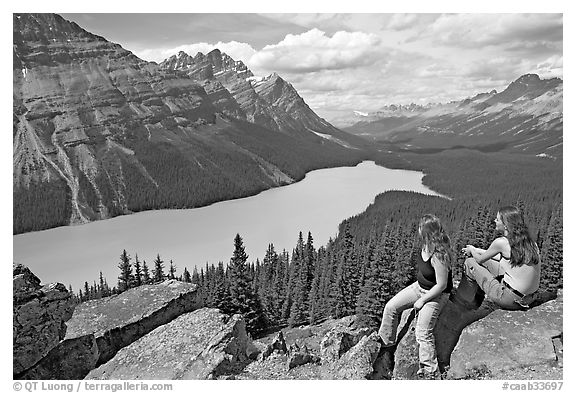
(508,273)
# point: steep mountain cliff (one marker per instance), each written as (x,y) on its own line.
(527,117)
(98,132)
(267,101)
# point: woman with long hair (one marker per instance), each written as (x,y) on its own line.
(509,270)
(427,295)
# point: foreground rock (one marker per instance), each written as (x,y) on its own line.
(119,320)
(484,342)
(504,341)
(39,316)
(204,344)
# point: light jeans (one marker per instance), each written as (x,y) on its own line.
(426,320)
(485,277)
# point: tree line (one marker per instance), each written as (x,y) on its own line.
(373,255)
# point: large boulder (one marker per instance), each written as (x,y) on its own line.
(358,362)
(203,344)
(119,320)
(463,332)
(496,345)
(39,316)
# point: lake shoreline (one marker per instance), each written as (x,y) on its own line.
(319,203)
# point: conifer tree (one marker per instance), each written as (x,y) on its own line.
(552,253)
(242,298)
(186,275)
(378,287)
(172,271)
(125,279)
(158,273)
(221,298)
(137,272)
(86,291)
(315,292)
(145,274)
(302,284)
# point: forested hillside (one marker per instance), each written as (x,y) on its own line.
(373,257)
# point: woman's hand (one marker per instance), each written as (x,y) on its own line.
(467,251)
(418,304)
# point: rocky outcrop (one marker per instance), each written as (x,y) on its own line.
(70,359)
(298,356)
(358,362)
(204,344)
(39,316)
(278,344)
(119,320)
(463,334)
(494,346)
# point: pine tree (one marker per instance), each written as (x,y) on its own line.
(242,299)
(552,253)
(158,273)
(137,272)
(377,289)
(145,274)
(347,285)
(172,270)
(125,279)
(186,275)
(305,254)
(86,291)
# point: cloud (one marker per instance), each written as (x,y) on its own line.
(400,22)
(314,51)
(478,30)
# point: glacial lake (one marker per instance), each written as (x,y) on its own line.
(190,237)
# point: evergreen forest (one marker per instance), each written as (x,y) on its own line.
(373,256)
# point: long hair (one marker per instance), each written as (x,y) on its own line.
(523,250)
(434,238)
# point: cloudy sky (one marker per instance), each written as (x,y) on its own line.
(345,62)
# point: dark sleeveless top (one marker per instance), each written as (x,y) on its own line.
(427,276)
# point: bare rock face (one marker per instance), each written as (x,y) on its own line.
(119,320)
(358,362)
(203,344)
(483,341)
(277,344)
(39,316)
(300,356)
(70,359)
(496,345)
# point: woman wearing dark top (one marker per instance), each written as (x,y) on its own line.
(509,270)
(427,295)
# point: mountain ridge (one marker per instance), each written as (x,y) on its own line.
(98,132)
(526,117)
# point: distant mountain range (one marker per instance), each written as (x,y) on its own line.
(527,117)
(98,132)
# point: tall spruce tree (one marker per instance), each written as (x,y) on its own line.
(172,270)
(377,289)
(186,277)
(552,253)
(126,277)
(137,272)
(145,274)
(243,300)
(158,273)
